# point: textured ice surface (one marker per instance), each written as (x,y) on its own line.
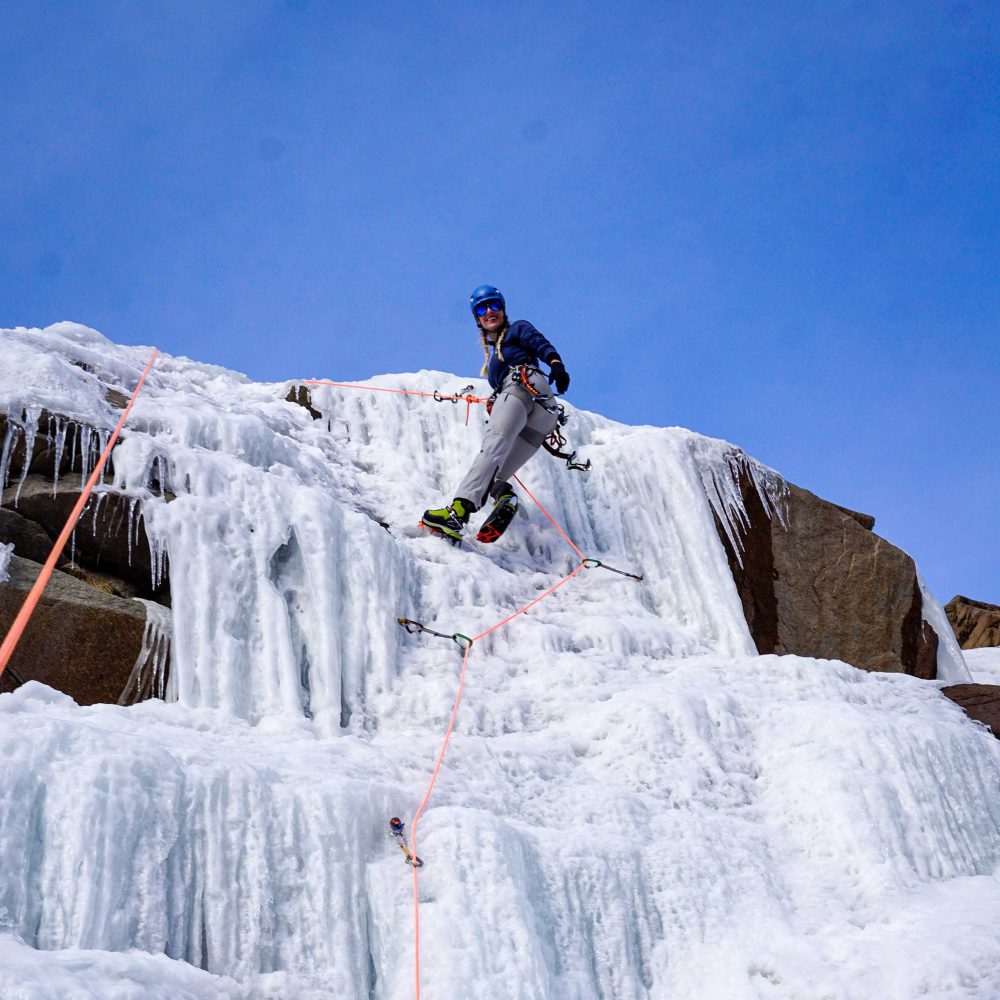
(6,551)
(77,974)
(633,806)
(984,664)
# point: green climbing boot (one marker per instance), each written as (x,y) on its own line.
(449,521)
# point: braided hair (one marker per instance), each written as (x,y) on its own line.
(486,344)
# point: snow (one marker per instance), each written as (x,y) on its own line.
(984,664)
(634,804)
(81,974)
(6,551)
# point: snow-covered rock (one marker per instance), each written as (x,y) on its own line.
(634,804)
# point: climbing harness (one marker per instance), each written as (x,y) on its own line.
(556,441)
(523,374)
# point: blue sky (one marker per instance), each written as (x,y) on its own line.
(773,223)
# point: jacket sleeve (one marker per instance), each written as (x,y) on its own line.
(536,343)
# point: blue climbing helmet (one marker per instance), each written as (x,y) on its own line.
(486,293)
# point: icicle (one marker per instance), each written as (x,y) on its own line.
(720,476)
(61,427)
(148,678)
(102,441)
(84,434)
(76,442)
(7,455)
(32,416)
(97,498)
(133,526)
(157,551)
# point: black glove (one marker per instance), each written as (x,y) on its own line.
(559,376)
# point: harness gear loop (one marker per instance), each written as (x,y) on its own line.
(524,374)
(554,444)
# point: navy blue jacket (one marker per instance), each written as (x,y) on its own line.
(522,344)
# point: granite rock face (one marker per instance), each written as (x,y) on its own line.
(980,701)
(80,640)
(976,623)
(110,536)
(29,539)
(86,635)
(45,465)
(816,581)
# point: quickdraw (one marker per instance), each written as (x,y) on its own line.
(455,397)
(465,394)
(597,564)
(414,627)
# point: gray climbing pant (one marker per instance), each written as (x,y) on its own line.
(518,425)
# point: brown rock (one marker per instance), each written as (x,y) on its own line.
(865,520)
(30,540)
(107,582)
(101,542)
(976,623)
(79,640)
(116,399)
(300,394)
(980,701)
(823,585)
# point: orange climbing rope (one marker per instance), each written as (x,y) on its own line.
(550,517)
(467,643)
(454,715)
(31,601)
(465,394)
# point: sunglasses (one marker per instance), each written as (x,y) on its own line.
(495,305)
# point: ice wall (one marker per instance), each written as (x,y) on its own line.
(633,806)
(289,543)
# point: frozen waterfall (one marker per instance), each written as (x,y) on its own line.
(635,805)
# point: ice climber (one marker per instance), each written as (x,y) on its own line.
(522,410)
